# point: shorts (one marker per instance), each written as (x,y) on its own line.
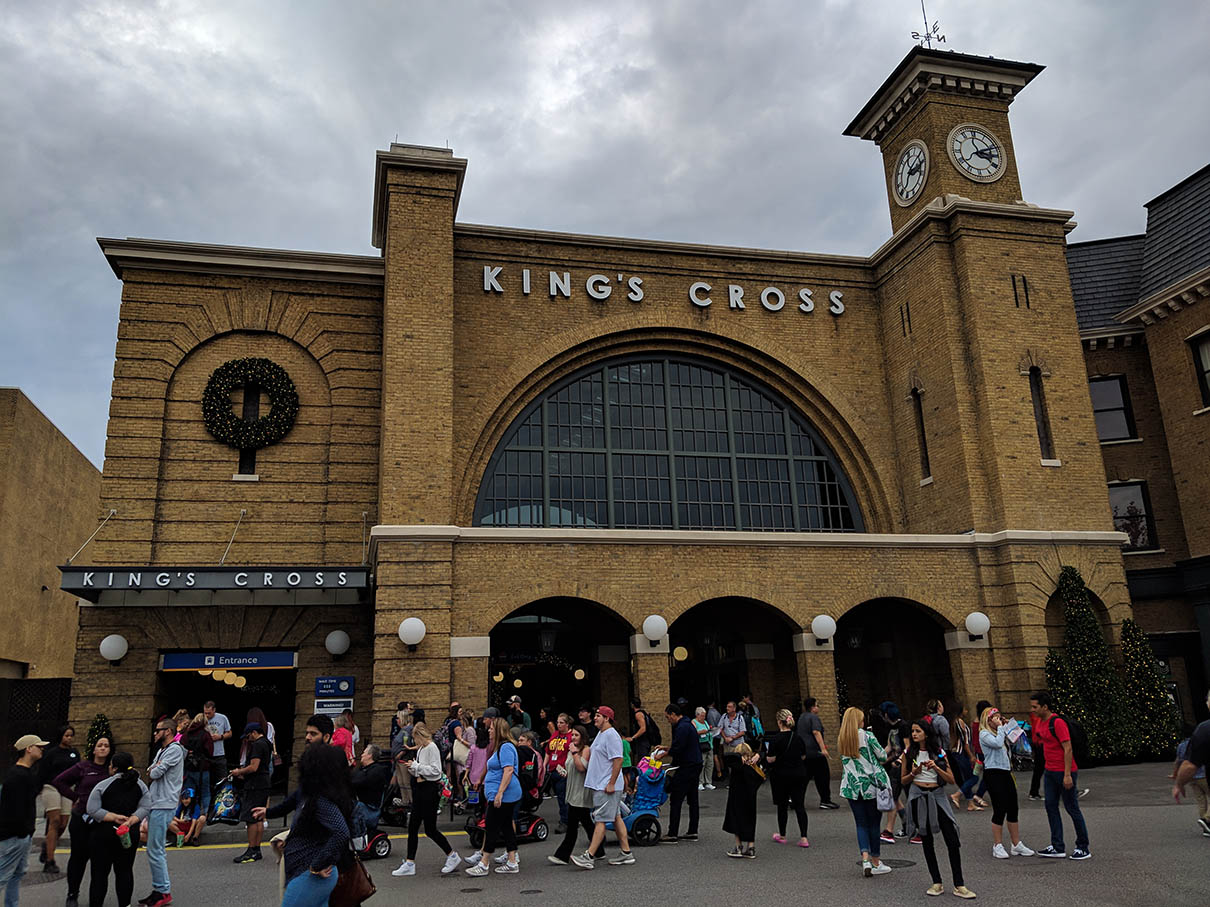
(606,807)
(718,746)
(51,800)
(249,800)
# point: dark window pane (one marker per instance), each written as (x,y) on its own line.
(1129,503)
(1106,393)
(1112,425)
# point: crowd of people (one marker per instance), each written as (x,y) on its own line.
(901,780)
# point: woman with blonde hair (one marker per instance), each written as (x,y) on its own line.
(998,775)
(502,788)
(862,758)
(740,819)
(425,771)
(788,777)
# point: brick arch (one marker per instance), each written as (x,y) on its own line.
(945,614)
(840,427)
(484,617)
(764,598)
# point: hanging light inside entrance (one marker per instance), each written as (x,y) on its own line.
(579,674)
(517,683)
(240,683)
(498,677)
(680,653)
(220,674)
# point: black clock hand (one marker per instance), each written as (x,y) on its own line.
(988,154)
(912,171)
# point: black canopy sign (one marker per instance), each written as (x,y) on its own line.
(90,582)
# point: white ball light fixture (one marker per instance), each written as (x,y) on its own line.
(655,628)
(823,627)
(977,623)
(411,632)
(114,647)
(337,642)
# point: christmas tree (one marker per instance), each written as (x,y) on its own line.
(1084,681)
(98,729)
(1156,715)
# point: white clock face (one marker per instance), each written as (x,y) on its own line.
(976,153)
(911,171)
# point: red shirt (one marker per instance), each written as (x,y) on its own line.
(557,747)
(1052,746)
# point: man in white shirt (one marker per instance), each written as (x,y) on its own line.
(601,777)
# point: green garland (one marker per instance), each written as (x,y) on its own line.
(229,428)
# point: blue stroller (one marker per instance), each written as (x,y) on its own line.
(643,821)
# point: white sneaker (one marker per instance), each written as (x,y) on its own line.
(508,867)
(709,787)
(880,870)
(502,859)
(477,870)
(701,787)
(1020,850)
(452,862)
(476,857)
(406,868)
(1000,853)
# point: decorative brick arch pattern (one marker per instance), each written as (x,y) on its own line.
(842,428)
(169,317)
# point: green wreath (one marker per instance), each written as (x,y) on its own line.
(229,428)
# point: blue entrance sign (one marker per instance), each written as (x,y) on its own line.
(333,687)
(231,661)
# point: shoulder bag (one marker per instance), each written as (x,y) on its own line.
(353,886)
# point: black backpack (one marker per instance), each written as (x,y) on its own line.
(527,773)
(1079,739)
(654,737)
(195,753)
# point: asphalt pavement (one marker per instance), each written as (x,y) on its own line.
(1146,850)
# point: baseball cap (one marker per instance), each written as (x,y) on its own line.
(516,699)
(606,711)
(252,726)
(491,712)
(25,742)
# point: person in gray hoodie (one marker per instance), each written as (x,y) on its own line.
(167,773)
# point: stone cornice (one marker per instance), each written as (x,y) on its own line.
(924,70)
(1112,336)
(1173,298)
(205,258)
(969,540)
(410,157)
(654,246)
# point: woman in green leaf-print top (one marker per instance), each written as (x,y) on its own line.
(861,757)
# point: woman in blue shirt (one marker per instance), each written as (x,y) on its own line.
(502,790)
(998,775)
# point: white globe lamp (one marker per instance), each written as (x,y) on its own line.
(977,624)
(114,647)
(337,642)
(655,628)
(823,628)
(411,632)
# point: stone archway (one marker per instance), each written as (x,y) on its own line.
(896,649)
(725,647)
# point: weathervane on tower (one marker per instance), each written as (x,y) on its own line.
(929,35)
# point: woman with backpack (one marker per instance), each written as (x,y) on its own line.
(998,773)
(895,742)
(426,773)
(199,750)
(788,777)
(861,759)
(645,735)
(502,789)
(116,807)
(926,771)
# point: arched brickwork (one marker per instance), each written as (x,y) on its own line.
(843,430)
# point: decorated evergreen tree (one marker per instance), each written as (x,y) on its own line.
(1084,681)
(98,729)
(1155,714)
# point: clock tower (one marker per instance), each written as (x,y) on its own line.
(941,120)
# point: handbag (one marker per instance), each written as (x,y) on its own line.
(460,751)
(353,886)
(884,799)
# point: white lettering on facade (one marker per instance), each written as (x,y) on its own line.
(560,284)
(241,579)
(162,579)
(319,579)
(808,304)
(293,579)
(837,307)
(699,287)
(342,579)
(268,580)
(135,579)
(87,579)
(772,293)
(735,296)
(490,284)
(525,281)
(598,286)
(189,579)
(636,289)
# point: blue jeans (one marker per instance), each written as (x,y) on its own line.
(309,890)
(14,853)
(869,820)
(200,782)
(157,850)
(560,787)
(1053,782)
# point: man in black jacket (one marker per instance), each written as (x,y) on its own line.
(686,755)
(18,815)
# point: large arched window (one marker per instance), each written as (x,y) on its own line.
(664,443)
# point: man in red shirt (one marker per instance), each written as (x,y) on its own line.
(1052,734)
(556,766)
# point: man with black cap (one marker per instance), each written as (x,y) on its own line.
(19,815)
(516,716)
(256,774)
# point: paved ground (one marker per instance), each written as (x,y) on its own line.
(1146,851)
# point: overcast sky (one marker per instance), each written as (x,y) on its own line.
(256,124)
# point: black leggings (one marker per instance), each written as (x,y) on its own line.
(577,817)
(499,825)
(950,833)
(78,830)
(786,794)
(1035,781)
(1003,788)
(105,852)
(426,797)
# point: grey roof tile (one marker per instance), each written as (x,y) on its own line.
(1105,276)
(1178,233)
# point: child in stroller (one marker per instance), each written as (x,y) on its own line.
(643,820)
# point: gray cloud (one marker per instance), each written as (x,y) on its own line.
(715,122)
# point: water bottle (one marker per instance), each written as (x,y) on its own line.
(123,833)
